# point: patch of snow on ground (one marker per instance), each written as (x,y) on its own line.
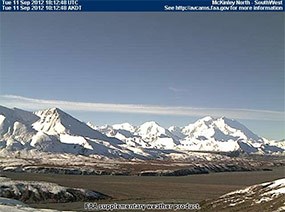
(11,205)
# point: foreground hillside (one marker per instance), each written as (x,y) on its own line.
(36,192)
(12,205)
(265,197)
(16,194)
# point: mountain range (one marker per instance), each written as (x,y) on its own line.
(55,131)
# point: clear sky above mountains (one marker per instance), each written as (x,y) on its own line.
(213,60)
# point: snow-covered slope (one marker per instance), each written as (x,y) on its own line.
(276,143)
(11,205)
(156,136)
(177,131)
(44,192)
(124,126)
(14,192)
(15,128)
(222,134)
(74,133)
(55,122)
(55,131)
(206,134)
(267,196)
(148,135)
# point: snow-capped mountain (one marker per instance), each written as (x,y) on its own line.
(152,130)
(70,132)
(15,128)
(55,122)
(206,134)
(53,130)
(148,135)
(124,126)
(220,134)
(157,136)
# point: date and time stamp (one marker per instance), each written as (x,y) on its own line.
(41,5)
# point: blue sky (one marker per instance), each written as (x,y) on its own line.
(215,61)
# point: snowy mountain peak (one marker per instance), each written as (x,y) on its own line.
(51,121)
(55,109)
(54,121)
(151,123)
(151,129)
(227,121)
(51,112)
(173,128)
(90,124)
(206,119)
(16,114)
(203,122)
(124,126)
(220,134)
